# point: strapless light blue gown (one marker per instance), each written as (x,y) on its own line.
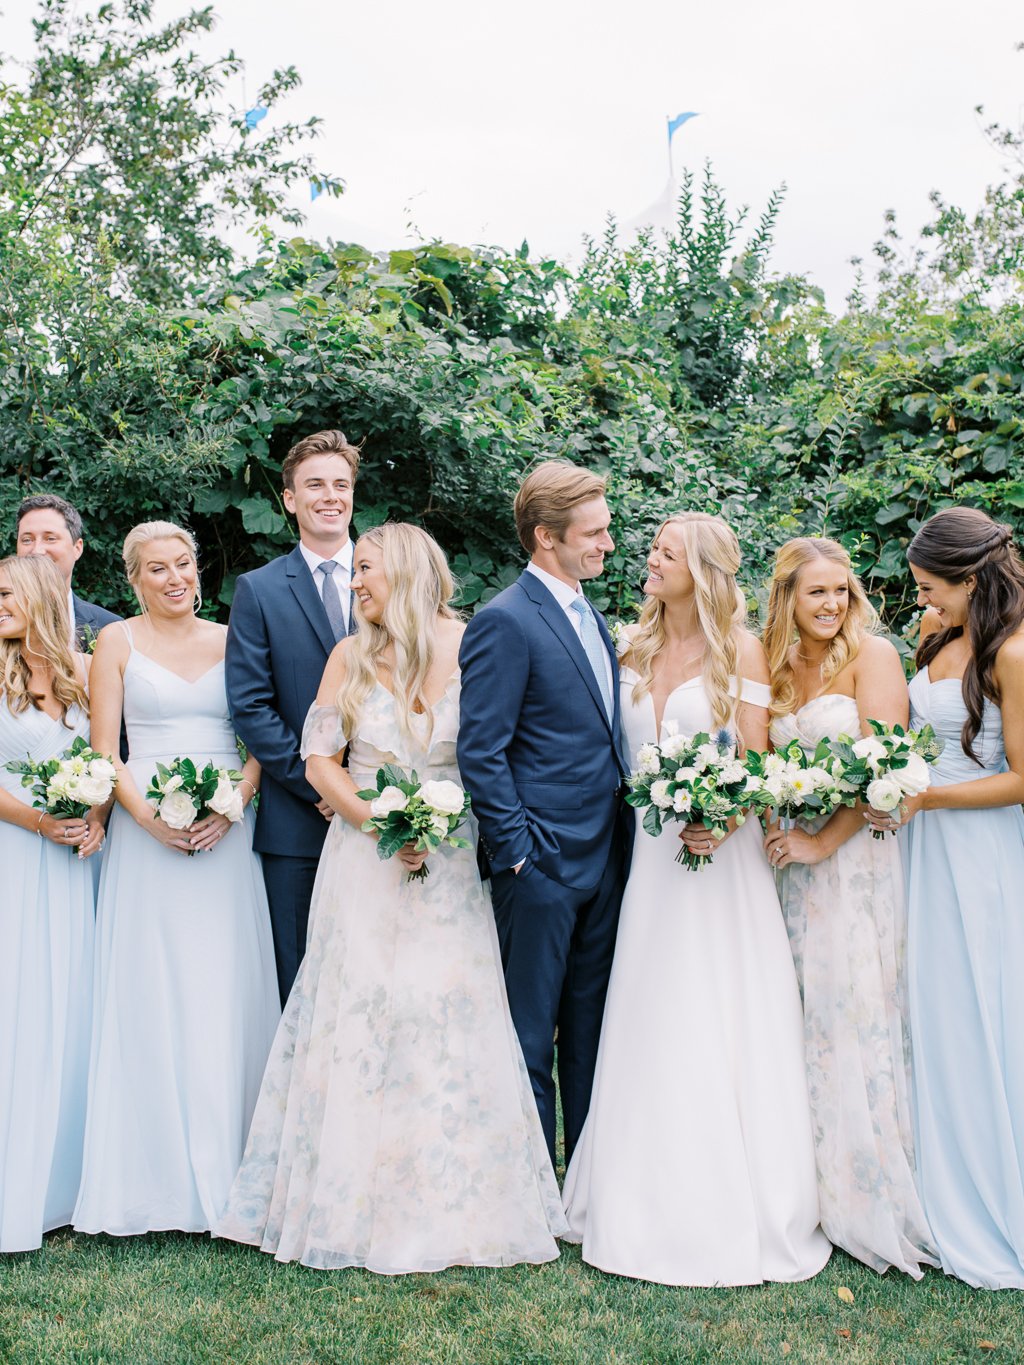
(47,915)
(965,953)
(186,991)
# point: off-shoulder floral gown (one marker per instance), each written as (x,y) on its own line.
(396,1128)
(847,922)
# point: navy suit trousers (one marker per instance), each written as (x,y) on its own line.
(556,945)
(289,883)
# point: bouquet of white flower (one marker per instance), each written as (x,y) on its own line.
(404,810)
(796,783)
(182,794)
(693,779)
(885,766)
(68,787)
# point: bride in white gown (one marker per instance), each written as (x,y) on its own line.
(396,1128)
(696,1164)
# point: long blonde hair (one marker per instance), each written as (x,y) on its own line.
(780,630)
(42,595)
(713,559)
(136,541)
(421,589)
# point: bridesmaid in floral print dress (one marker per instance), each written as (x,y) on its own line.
(396,1128)
(843,900)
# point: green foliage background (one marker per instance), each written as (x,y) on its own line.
(144,372)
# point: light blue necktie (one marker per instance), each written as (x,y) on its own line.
(596,653)
(332,600)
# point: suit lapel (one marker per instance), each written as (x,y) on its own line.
(553,616)
(300,580)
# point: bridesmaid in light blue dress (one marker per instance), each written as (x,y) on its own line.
(965,877)
(46,914)
(186,990)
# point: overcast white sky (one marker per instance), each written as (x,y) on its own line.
(485,122)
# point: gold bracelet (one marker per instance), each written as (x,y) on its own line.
(248,784)
(39,823)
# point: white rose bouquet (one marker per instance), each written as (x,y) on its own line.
(68,787)
(885,766)
(796,783)
(692,779)
(404,810)
(183,794)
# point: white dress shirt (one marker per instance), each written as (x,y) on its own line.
(342,575)
(565,597)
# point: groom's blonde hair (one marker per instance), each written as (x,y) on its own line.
(547,497)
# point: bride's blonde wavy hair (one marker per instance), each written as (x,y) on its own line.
(420,590)
(780,632)
(42,596)
(713,559)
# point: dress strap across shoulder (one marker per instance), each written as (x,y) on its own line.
(127,633)
(755,693)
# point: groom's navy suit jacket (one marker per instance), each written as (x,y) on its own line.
(536,751)
(279,640)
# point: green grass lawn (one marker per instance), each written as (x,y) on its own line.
(172,1298)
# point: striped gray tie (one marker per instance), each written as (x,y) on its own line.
(332,601)
(595,650)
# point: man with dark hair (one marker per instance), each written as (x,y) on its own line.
(286,617)
(48,525)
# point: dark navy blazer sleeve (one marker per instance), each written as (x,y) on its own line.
(252,699)
(495,663)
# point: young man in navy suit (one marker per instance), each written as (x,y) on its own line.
(539,753)
(48,525)
(286,617)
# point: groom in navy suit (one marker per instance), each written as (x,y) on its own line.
(286,617)
(539,753)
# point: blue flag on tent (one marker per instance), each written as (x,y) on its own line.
(676,123)
(253,116)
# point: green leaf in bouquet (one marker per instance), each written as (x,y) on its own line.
(392,776)
(637,797)
(457,841)
(368,794)
(390,841)
(842,748)
(822,753)
(652,820)
(187,769)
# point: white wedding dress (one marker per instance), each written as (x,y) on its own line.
(696,1163)
(396,1128)
(847,922)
